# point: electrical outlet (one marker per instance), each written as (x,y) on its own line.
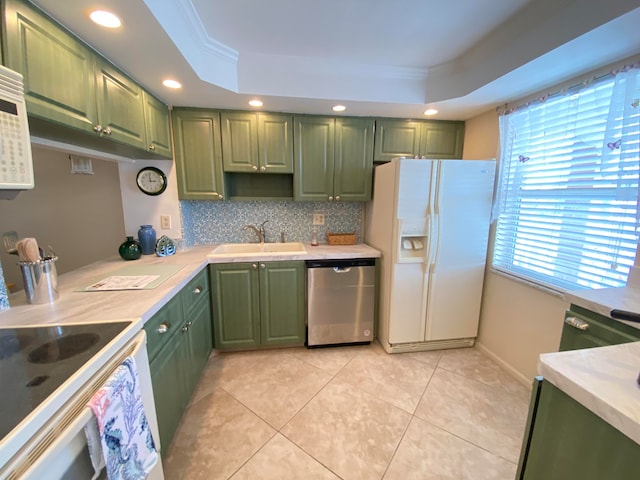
(318,218)
(165,222)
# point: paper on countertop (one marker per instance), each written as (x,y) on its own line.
(117,282)
(132,277)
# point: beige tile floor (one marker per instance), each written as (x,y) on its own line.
(351,413)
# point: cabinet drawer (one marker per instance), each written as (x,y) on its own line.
(162,326)
(195,293)
(600,331)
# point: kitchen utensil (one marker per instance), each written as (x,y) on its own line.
(9,240)
(28,250)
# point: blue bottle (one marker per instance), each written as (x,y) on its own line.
(147,239)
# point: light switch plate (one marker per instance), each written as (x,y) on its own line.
(318,218)
(165,222)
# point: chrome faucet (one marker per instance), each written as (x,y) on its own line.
(259,231)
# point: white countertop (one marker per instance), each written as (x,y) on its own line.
(85,307)
(601,379)
(604,300)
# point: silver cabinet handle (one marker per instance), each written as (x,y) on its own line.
(576,323)
(197,290)
(189,323)
(337,198)
(254,168)
(152,147)
(220,196)
(263,266)
(254,266)
(185,329)
(107,131)
(330,198)
(163,328)
(263,168)
(97,128)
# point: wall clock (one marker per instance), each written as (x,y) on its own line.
(151,180)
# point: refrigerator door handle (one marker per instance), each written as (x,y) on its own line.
(434,246)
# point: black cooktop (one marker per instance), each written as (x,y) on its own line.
(35,361)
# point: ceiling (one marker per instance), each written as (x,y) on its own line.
(389,58)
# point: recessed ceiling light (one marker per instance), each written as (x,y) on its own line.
(255,103)
(169,83)
(339,108)
(430,111)
(105,19)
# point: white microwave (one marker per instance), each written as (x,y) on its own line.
(16,164)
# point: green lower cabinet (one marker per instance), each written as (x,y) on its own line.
(179,342)
(170,390)
(586,329)
(282,303)
(258,303)
(566,441)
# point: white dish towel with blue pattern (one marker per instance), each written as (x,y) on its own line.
(126,445)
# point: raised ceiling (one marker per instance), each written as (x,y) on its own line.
(378,57)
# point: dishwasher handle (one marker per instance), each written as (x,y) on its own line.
(341,263)
(342,269)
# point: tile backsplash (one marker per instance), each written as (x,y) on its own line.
(221,222)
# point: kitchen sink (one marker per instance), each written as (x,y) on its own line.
(251,249)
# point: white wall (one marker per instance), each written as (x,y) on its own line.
(518,321)
(140,209)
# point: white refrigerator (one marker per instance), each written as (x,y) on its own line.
(430,219)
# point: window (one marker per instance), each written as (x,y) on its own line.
(567,203)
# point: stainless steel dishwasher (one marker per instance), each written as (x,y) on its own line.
(340,301)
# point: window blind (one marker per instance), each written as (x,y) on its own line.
(567,200)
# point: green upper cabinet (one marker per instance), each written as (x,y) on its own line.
(333,158)
(70,88)
(257,142)
(410,138)
(258,303)
(442,139)
(58,69)
(198,153)
(353,164)
(120,106)
(396,138)
(156,121)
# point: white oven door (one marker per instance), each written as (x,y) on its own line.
(67,456)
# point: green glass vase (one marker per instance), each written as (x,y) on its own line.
(130,249)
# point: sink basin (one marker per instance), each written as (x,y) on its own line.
(251,249)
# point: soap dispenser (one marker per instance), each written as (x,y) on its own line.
(314,237)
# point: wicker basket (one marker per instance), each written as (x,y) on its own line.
(341,238)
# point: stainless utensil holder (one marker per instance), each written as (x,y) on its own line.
(40,280)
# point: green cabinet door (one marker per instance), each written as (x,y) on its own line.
(235,290)
(170,386)
(120,106)
(275,143)
(396,138)
(353,170)
(198,154)
(239,141)
(200,342)
(156,122)
(441,139)
(58,69)
(313,157)
(565,440)
(257,142)
(282,306)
